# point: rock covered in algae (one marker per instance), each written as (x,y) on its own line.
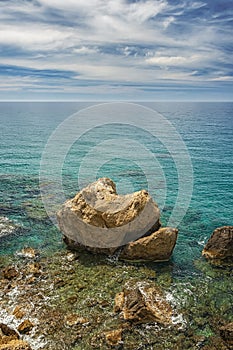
(143,303)
(158,246)
(220,244)
(98,217)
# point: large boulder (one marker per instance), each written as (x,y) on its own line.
(158,246)
(99,218)
(220,244)
(143,302)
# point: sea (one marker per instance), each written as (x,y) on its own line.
(126,148)
(180,152)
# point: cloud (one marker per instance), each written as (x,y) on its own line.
(85,43)
(172,60)
(84,50)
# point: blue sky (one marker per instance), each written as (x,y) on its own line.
(116,50)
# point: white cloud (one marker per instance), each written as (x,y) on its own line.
(172,60)
(84,50)
(113,41)
(34,37)
(223,78)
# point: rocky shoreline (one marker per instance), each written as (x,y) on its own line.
(84,301)
(76,300)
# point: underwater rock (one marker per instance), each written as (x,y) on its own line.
(220,244)
(226,333)
(99,218)
(142,302)
(158,246)
(7,227)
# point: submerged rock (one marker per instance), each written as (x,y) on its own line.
(156,247)
(220,244)
(98,217)
(143,303)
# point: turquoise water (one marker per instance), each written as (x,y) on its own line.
(206,128)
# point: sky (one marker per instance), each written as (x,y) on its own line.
(116,50)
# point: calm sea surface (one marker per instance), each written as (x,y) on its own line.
(206,129)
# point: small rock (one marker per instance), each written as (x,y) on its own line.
(119,302)
(220,244)
(73,320)
(144,303)
(15,345)
(71,257)
(34,269)
(113,338)
(28,253)
(10,272)
(18,312)
(25,327)
(6,330)
(226,333)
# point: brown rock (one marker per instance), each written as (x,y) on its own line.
(34,269)
(10,272)
(113,338)
(143,303)
(156,247)
(220,244)
(7,331)
(28,252)
(119,302)
(15,345)
(73,320)
(226,333)
(98,218)
(25,327)
(18,312)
